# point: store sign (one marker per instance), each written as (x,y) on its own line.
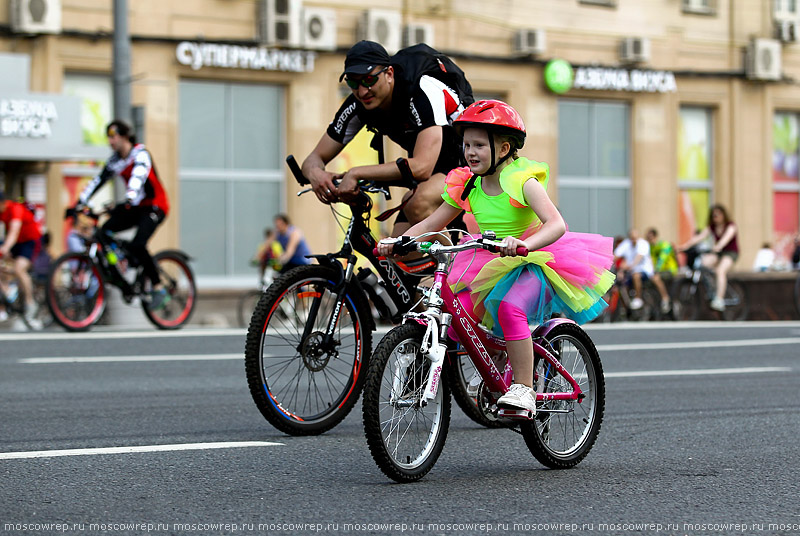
(560,77)
(23,118)
(199,55)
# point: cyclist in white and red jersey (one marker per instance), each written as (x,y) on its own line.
(145,205)
(417,115)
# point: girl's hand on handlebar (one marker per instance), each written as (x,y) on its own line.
(386,245)
(512,247)
(403,244)
(323,186)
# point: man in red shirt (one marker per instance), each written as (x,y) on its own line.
(21,241)
(145,205)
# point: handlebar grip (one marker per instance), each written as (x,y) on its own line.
(522,251)
(296,171)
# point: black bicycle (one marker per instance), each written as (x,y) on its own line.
(76,285)
(310,336)
(693,293)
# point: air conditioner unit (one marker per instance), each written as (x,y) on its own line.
(763,60)
(634,50)
(703,7)
(381,26)
(526,42)
(35,16)
(418,33)
(319,28)
(280,22)
(787,31)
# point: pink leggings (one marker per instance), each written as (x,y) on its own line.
(512,319)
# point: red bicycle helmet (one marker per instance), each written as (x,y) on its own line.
(496,117)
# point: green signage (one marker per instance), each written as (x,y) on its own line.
(558,76)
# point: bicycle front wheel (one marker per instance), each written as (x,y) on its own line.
(75,291)
(302,383)
(685,300)
(178,280)
(564,431)
(405,436)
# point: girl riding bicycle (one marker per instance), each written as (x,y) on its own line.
(565,273)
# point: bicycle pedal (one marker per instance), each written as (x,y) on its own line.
(519,414)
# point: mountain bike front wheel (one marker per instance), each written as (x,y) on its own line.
(178,280)
(405,435)
(75,291)
(302,383)
(564,431)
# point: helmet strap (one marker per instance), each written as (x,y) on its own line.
(493,168)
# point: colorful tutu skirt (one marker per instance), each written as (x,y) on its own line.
(568,277)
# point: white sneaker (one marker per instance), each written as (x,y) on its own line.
(636,303)
(665,306)
(30,318)
(718,304)
(3,315)
(519,397)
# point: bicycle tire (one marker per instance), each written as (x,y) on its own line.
(736,305)
(178,280)
(685,300)
(75,291)
(471,399)
(563,432)
(404,437)
(246,305)
(300,388)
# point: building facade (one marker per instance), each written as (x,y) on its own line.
(653,111)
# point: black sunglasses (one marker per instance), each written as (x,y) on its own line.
(368,81)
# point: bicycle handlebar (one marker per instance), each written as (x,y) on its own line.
(407,245)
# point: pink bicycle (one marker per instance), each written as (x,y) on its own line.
(406,408)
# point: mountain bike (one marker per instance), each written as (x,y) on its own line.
(406,408)
(619,298)
(693,294)
(76,285)
(310,336)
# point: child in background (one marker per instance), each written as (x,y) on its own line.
(565,273)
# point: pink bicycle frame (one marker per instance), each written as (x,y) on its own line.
(475,341)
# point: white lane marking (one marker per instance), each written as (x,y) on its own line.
(192,331)
(136,449)
(129,358)
(695,344)
(696,372)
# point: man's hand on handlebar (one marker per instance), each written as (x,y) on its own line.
(402,244)
(323,185)
(348,188)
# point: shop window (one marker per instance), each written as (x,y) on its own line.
(695,171)
(95,90)
(594,166)
(785,9)
(785,182)
(231,174)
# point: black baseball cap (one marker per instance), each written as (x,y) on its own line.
(363,57)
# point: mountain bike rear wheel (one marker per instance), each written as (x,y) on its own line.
(468,389)
(301,383)
(736,306)
(564,431)
(178,280)
(404,436)
(75,291)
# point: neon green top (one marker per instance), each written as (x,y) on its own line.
(508,213)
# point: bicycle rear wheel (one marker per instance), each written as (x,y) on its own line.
(301,384)
(75,292)
(405,437)
(178,280)
(736,306)
(468,389)
(564,431)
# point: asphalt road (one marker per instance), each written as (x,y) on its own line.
(155,433)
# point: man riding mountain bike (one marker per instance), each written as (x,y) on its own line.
(417,114)
(145,205)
